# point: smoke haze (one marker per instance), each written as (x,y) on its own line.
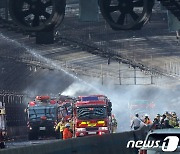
(120,96)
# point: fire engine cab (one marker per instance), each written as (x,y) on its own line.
(42,115)
(92,116)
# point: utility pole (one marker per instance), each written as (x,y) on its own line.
(101,74)
(152,79)
(151,69)
(135,75)
(119,74)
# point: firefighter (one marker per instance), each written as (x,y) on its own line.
(158,116)
(146,120)
(168,115)
(174,121)
(166,124)
(114,124)
(156,123)
(136,122)
(60,127)
(71,124)
(163,120)
(67,133)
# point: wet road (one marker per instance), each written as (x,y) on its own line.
(16,144)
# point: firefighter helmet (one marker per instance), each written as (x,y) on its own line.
(67,125)
(146,115)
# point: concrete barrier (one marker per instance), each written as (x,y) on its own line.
(106,144)
(141,133)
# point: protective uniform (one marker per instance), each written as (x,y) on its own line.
(174,122)
(67,133)
(114,124)
(166,124)
(158,116)
(156,124)
(146,120)
(60,126)
(163,118)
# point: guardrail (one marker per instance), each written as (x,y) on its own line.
(105,144)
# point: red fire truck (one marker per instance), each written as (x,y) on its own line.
(92,116)
(42,115)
